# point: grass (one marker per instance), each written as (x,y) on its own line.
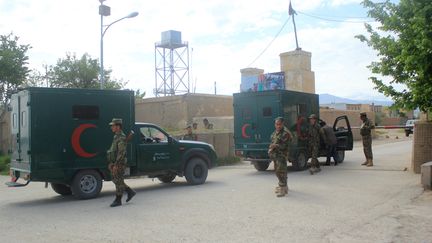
(229,160)
(4,164)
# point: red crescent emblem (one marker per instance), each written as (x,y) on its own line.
(244,134)
(76,135)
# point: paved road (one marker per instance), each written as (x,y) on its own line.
(347,203)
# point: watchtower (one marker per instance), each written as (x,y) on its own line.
(171,65)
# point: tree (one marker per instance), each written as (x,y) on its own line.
(13,65)
(139,95)
(404,45)
(71,72)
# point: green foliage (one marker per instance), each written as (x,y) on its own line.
(139,95)
(4,164)
(404,45)
(71,72)
(13,65)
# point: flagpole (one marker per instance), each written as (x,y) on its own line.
(292,12)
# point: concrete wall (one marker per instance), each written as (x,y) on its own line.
(175,112)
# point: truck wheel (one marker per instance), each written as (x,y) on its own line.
(261,165)
(340,156)
(167,178)
(407,133)
(301,161)
(196,171)
(61,189)
(86,184)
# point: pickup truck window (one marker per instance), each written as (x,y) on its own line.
(152,135)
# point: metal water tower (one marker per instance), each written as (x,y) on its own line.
(171,65)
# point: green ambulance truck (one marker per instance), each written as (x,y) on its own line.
(254,114)
(60,136)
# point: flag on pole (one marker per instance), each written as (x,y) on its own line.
(291,11)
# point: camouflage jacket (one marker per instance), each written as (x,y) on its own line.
(282,139)
(365,128)
(314,135)
(117,152)
(192,137)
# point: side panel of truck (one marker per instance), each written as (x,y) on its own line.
(68,129)
(254,115)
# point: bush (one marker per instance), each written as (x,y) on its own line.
(4,165)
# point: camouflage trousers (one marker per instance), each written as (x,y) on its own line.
(314,151)
(118,178)
(281,170)
(367,146)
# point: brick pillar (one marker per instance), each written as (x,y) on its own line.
(422,145)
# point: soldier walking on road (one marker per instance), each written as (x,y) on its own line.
(278,153)
(117,162)
(314,144)
(365,132)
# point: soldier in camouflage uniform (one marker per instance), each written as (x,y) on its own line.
(314,143)
(365,132)
(189,134)
(278,152)
(117,162)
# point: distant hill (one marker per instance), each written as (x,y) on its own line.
(330,99)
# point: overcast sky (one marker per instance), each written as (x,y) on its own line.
(225,35)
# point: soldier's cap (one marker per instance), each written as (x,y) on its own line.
(116,121)
(312,116)
(363,114)
(279,118)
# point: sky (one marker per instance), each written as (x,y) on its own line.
(224,36)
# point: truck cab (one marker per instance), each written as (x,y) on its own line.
(60,136)
(254,114)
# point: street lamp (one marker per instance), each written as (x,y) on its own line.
(104,10)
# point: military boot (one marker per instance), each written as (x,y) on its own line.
(277,189)
(370,163)
(131,193)
(116,202)
(312,170)
(282,192)
(366,162)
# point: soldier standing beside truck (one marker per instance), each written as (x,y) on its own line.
(117,162)
(278,152)
(365,132)
(314,144)
(330,142)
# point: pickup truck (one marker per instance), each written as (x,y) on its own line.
(60,136)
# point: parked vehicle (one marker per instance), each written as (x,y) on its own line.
(60,136)
(409,127)
(254,114)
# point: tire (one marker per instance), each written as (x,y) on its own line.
(261,165)
(301,161)
(196,171)
(340,156)
(86,184)
(407,133)
(61,189)
(168,178)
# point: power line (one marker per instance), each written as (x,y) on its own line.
(337,20)
(271,42)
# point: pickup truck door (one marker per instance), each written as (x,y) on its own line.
(155,150)
(343,133)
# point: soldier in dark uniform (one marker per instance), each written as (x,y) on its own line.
(365,132)
(189,134)
(314,144)
(330,141)
(278,152)
(117,162)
